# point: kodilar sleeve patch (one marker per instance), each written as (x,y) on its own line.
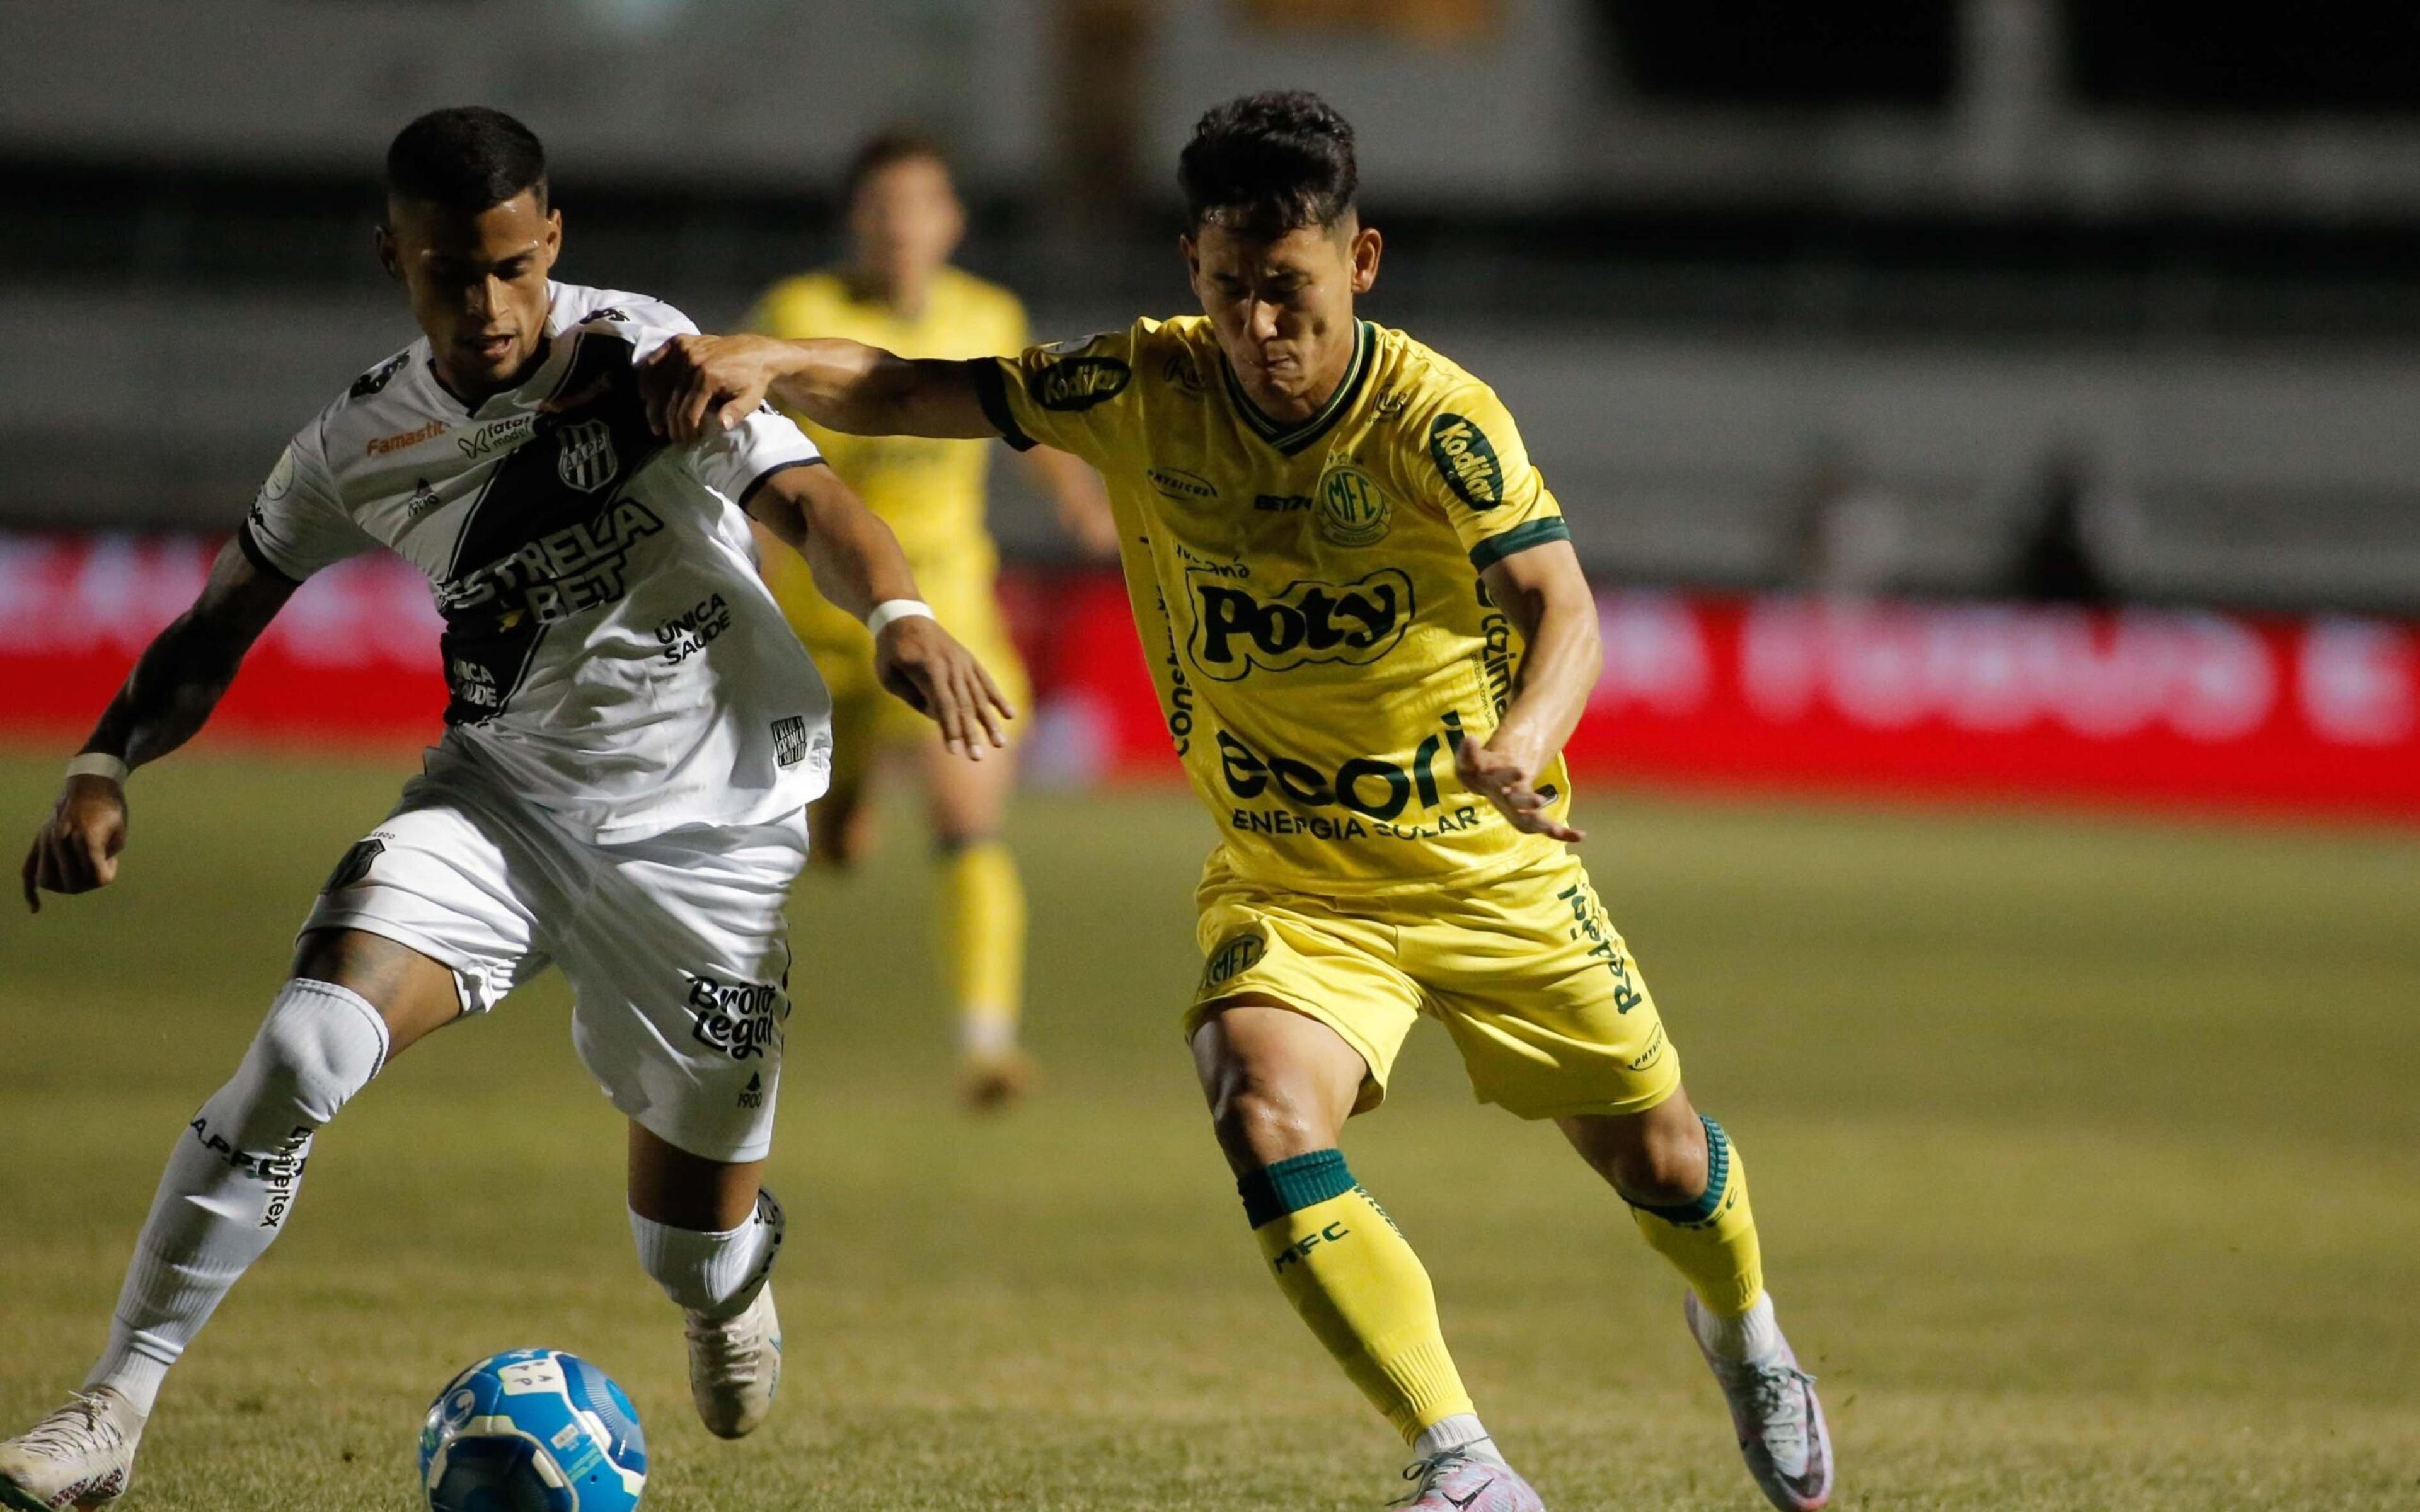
(1077,383)
(1466,461)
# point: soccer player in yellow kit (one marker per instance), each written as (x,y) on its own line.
(1370,638)
(898,291)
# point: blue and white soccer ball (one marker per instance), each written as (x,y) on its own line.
(533,1430)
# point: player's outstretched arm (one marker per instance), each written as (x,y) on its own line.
(168,696)
(1547,596)
(694,384)
(858,564)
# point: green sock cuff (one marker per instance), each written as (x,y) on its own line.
(1718,1177)
(1293,1184)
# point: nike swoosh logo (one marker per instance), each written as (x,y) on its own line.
(1464,1502)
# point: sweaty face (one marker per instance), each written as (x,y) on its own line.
(1281,303)
(905,221)
(477,284)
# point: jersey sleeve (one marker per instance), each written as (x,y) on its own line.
(296,524)
(1077,396)
(1476,470)
(736,462)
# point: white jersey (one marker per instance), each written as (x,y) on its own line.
(613,655)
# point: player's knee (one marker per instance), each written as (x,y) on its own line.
(1661,1169)
(320,1044)
(1258,1124)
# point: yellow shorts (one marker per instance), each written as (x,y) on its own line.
(865,716)
(1525,971)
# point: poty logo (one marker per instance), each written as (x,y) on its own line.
(1235,630)
(741,1019)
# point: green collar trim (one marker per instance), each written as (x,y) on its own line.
(1290,440)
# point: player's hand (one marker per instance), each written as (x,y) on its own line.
(1504,771)
(941,679)
(697,386)
(76,849)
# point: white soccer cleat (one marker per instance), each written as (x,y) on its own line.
(1778,1420)
(80,1456)
(735,1367)
(1456,1482)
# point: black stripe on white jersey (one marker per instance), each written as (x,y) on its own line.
(549,536)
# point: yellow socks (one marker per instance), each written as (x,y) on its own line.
(983,932)
(1344,1265)
(1711,1241)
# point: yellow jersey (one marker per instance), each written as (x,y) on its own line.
(930,492)
(1308,593)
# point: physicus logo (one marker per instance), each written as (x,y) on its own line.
(1178,484)
(1352,511)
(1235,630)
(1466,461)
(587,461)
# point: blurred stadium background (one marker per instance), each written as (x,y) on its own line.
(2004,402)
(1955,298)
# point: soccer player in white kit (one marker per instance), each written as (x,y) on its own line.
(631,741)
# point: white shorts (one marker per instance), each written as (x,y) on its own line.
(675,947)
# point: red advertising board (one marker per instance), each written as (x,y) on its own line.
(2138,706)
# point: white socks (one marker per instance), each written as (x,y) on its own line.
(1460,1431)
(1749,1338)
(716,1275)
(231,1179)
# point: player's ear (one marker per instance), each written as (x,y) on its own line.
(389,258)
(554,236)
(1188,249)
(1366,244)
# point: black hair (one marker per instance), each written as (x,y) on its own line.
(1275,160)
(465,157)
(899,144)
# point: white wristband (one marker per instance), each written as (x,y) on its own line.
(98,763)
(896,608)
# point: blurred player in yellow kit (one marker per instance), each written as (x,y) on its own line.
(1371,639)
(898,291)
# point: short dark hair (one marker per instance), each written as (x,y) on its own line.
(898,144)
(465,157)
(1275,160)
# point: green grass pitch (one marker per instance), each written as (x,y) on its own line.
(2087,1152)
